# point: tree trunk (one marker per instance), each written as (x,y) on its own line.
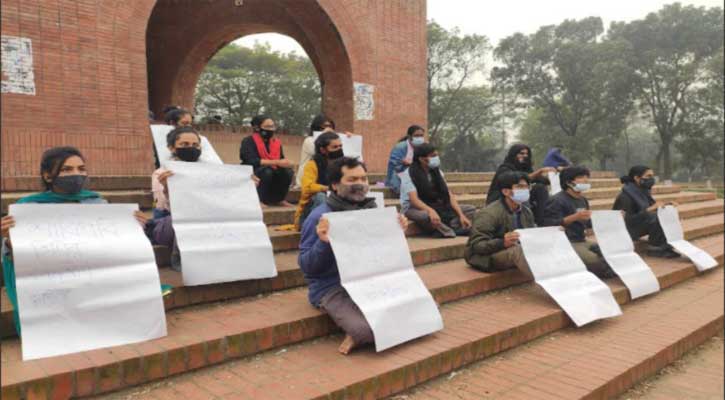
(667,160)
(602,164)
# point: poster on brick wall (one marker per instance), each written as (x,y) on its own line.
(17,65)
(377,271)
(159,132)
(86,278)
(218,223)
(562,274)
(364,101)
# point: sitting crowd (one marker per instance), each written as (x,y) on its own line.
(518,198)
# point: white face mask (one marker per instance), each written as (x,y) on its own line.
(521,196)
(417,140)
(581,187)
(434,162)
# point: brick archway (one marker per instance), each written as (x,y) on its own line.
(179,47)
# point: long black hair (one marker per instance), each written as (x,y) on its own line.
(428,191)
(53,160)
(411,130)
(636,171)
(512,160)
(318,121)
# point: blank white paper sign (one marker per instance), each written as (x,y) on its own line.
(669,219)
(218,223)
(351,146)
(86,278)
(562,274)
(618,250)
(377,271)
(159,132)
(555,183)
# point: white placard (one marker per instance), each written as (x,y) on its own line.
(377,271)
(218,223)
(86,278)
(351,146)
(159,132)
(618,250)
(555,183)
(562,274)
(379,198)
(669,219)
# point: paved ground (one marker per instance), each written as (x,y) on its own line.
(696,376)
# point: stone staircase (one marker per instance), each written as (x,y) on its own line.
(262,340)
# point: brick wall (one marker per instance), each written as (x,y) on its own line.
(89,64)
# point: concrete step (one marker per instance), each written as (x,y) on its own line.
(475,328)
(602,360)
(486,176)
(207,335)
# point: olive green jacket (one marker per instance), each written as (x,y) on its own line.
(489,227)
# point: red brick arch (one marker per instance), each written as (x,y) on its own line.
(179,48)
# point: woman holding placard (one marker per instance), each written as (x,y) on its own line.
(640,210)
(64,175)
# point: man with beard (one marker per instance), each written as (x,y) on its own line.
(349,185)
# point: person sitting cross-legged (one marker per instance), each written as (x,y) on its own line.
(349,185)
(493,244)
(570,209)
(426,199)
(315,184)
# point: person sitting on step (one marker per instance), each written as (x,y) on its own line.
(264,153)
(426,200)
(349,187)
(315,184)
(176,117)
(493,244)
(640,211)
(570,209)
(321,123)
(520,158)
(401,156)
(64,175)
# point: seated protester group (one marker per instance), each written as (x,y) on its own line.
(640,211)
(349,187)
(493,245)
(554,159)
(64,175)
(570,209)
(321,123)
(315,183)
(520,159)
(264,153)
(426,199)
(401,157)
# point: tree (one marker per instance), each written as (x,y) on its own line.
(240,82)
(669,49)
(454,61)
(578,84)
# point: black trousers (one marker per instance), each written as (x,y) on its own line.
(273,184)
(646,224)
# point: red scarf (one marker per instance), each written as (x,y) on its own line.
(275,147)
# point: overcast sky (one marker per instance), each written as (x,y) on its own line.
(498,19)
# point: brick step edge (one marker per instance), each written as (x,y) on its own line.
(597,362)
(106,370)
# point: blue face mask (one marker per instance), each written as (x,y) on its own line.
(521,196)
(434,162)
(417,141)
(581,187)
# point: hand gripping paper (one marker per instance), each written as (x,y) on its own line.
(376,270)
(562,274)
(618,250)
(86,278)
(669,219)
(218,223)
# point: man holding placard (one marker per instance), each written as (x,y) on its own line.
(570,209)
(493,244)
(349,184)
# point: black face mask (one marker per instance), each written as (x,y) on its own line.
(647,183)
(265,133)
(188,153)
(334,155)
(70,184)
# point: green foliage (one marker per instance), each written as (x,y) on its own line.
(240,82)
